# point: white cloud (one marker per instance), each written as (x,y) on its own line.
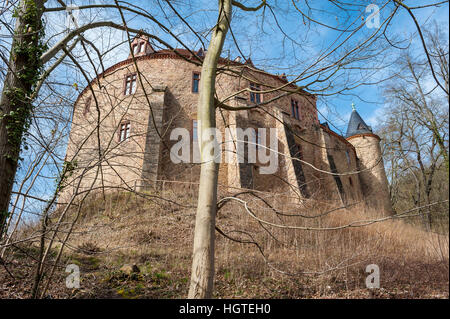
(377,117)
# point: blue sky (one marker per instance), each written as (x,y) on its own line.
(282,43)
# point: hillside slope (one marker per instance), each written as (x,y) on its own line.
(268,262)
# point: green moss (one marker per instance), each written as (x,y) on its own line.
(85,262)
(29,49)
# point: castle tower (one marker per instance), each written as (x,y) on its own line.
(373,176)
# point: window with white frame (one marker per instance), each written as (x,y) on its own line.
(130,84)
(124,131)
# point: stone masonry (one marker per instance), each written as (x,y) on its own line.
(313,161)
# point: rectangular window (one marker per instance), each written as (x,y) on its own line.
(141,47)
(298,152)
(258,138)
(294,109)
(255,97)
(347,155)
(195,82)
(194,130)
(87,105)
(135,49)
(130,84)
(124,131)
(337,179)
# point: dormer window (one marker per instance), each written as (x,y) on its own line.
(138,48)
(255,97)
(130,84)
(141,47)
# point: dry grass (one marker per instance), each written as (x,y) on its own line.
(157,235)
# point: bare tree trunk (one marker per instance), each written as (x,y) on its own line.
(202,275)
(15,104)
(40,266)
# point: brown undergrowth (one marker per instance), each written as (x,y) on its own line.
(265,252)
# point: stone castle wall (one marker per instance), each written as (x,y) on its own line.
(169,103)
(373,178)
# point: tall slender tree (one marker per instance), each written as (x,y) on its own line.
(203,259)
(24,70)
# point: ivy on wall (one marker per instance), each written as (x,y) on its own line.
(28,46)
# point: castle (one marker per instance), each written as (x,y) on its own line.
(122,124)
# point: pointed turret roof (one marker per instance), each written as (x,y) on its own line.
(356,124)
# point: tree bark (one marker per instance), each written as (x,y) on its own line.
(202,275)
(15,104)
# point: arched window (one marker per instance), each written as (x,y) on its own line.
(141,47)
